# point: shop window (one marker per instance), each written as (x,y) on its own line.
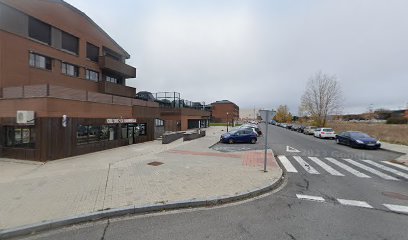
(92,75)
(69,69)
(40,61)
(23,137)
(94,134)
(92,52)
(70,43)
(158,122)
(39,30)
(125,132)
(141,129)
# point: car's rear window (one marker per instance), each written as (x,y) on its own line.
(327,130)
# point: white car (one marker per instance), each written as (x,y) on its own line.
(325,133)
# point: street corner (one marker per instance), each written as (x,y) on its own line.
(257,159)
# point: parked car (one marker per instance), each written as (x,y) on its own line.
(309,130)
(253,127)
(289,126)
(295,127)
(283,125)
(239,136)
(357,139)
(325,133)
(301,128)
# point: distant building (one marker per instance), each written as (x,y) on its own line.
(224,111)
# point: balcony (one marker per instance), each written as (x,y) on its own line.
(120,68)
(116,89)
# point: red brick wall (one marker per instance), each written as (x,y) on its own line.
(219,112)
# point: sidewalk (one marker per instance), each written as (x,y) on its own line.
(397,148)
(135,175)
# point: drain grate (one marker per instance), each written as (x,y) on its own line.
(155,163)
(395,195)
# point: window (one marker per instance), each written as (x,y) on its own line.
(39,30)
(92,52)
(92,75)
(111,79)
(142,129)
(70,43)
(40,61)
(20,137)
(93,134)
(158,122)
(69,69)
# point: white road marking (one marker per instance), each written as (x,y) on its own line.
(396,165)
(291,149)
(397,208)
(354,203)
(372,170)
(347,168)
(285,162)
(396,172)
(311,198)
(326,167)
(305,165)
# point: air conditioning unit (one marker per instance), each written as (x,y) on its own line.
(25,117)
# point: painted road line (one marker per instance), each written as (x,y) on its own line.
(372,170)
(285,162)
(326,167)
(305,165)
(311,198)
(347,168)
(291,149)
(397,208)
(354,203)
(396,165)
(396,172)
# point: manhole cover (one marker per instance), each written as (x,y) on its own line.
(395,195)
(155,163)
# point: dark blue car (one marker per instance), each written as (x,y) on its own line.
(357,140)
(239,136)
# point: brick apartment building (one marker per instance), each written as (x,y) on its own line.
(224,111)
(63,85)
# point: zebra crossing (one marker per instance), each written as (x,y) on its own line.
(354,203)
(342,167)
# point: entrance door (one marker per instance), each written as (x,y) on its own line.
(130,131)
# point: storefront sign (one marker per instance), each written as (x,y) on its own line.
(120,120)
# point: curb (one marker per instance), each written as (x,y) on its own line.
(144,209)
(393,151)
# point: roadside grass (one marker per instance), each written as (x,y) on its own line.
(222,125)
(391,133)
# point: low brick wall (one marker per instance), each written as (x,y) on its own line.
(193,135)
(171,137)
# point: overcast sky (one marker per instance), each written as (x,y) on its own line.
(261,53)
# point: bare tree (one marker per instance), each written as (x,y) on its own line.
(322,97)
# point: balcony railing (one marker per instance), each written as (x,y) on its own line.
(59,92)
(120,68)
(116,89)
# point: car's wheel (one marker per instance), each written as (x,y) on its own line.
(253,140)
(320,135)
(230,141)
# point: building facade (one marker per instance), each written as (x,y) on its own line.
(63,85)
(224,111)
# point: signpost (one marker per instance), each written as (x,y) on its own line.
(267,116)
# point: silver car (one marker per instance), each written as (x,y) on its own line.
(309,130)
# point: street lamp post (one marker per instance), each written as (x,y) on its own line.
(227,120)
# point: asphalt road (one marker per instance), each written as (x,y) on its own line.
(332,214)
